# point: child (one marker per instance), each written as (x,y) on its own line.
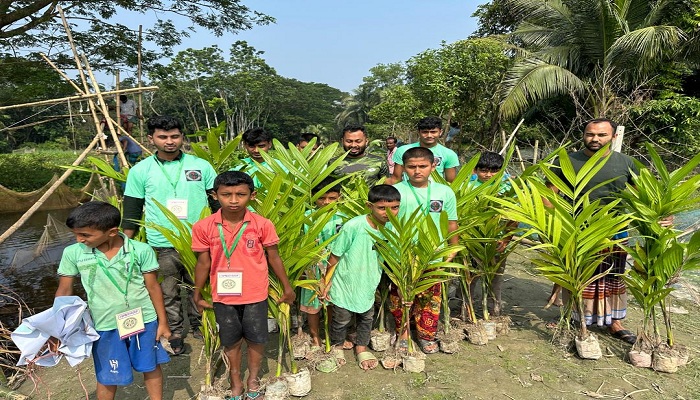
(429,131)
(255,141)
(490,164)
(120,279)
(231,246)
(433,198)
(312,306)
(355,273)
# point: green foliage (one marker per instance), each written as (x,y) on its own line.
(574,233)
(412,265)
(659,258)
(31,171)
(221,156)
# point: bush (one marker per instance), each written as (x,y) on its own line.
(31,171)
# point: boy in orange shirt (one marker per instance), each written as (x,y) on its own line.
(231,247)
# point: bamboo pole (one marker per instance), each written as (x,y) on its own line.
(49,192)
(91,104)
(520,157)
(534,154)
(140,83)
(88,95)
(510,138)
(14,128)
(118,100)
(105,111)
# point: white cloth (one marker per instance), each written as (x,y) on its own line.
(69,321)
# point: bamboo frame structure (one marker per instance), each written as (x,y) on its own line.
(88,95)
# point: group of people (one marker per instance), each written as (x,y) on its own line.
(236,248)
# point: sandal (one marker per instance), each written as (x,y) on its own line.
(255,394)
(339,355)
(625,335)
(428,346)
(403,345)
(328,365)
(366,356)
(178,345)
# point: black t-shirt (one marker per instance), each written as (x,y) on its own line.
(618,166)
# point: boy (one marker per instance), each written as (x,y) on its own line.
(306,138)
(255,141)
(231,246)
(355,273)
(433,198)
(429,131)
(490,164)
(126,303)
(312,306)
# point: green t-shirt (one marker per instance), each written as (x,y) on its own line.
(442,198)
(331,228)
(618,166)
(503,187)
(250,168)
(104,299)
(371,166)
(187,178)
(357,274)
(444,157)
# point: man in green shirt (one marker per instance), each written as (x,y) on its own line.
(446,160)
(372,167)
(180,182)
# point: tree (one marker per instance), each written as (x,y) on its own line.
(35,24)
(495,18)
(585,48)
(457,81)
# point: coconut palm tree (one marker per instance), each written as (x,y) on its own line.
(590,49)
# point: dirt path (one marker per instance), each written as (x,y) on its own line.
(522,365)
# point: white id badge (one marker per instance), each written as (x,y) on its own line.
(130,323)
(178,207)
(229,283)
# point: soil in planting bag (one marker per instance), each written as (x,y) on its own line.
(299,384)
(588,348)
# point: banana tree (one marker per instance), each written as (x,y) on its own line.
(575,232)
(414,266)
(659,257)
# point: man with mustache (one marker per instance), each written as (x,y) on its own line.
(372,167)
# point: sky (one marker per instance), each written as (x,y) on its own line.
(336,42)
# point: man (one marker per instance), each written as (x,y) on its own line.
(305,138)
(371,166)
(429,131)
(127,109)
(181,183)
(605,300)
(390,150)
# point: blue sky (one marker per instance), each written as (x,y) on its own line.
(337,42)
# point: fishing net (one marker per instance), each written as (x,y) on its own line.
(64,197)
(47,250)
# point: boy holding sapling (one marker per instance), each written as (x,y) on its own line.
(310,304)
(490,164)
(354,272)
(235,248)
(419,192)
(126,303)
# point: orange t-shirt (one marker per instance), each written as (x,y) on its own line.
(248,257)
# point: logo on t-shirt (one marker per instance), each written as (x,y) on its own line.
(436,205)
(193,175)
(250,244)
(438,161)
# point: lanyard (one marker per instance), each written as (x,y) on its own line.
(229,252)
(177,177)
(129,268)
(425,207)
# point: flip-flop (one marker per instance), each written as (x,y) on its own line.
(339,355)
(429,346)
(367,356)
(178,345)
(403,345)
(255,394)
(626,336)
(328,365)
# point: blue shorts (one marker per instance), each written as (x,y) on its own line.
(114,358)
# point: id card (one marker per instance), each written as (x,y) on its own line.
(130,323)
(229,283)
(178,207)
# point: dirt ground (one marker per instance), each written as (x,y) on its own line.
(523,365)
